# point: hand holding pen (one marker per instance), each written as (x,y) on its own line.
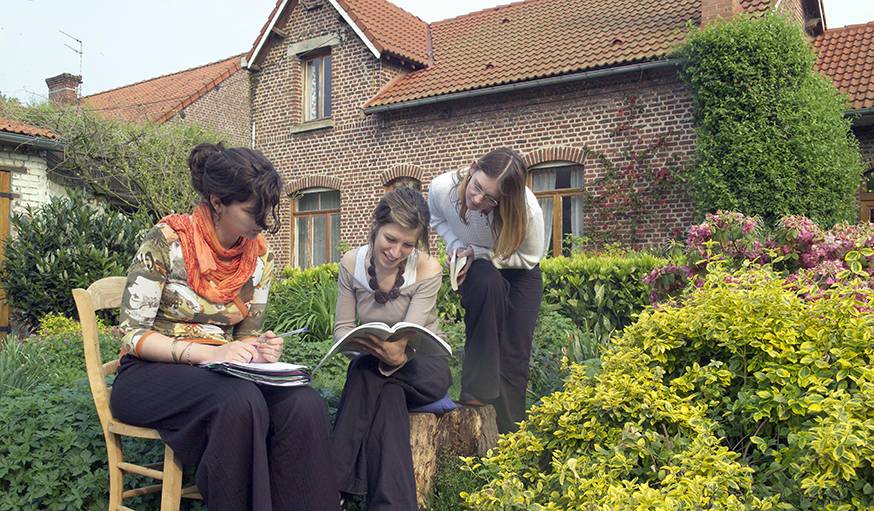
(269,345)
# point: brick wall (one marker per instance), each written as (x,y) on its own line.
(794,10)
(226,110)
(30,183)
(360,153)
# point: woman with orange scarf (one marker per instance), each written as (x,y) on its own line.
(197,292)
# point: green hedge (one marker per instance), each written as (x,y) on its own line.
(601,293)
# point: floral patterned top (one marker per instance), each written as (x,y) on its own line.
(157,298)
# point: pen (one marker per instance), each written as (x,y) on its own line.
(292,332)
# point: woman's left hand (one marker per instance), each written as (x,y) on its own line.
(269,346)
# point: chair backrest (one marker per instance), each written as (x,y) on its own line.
(105,293)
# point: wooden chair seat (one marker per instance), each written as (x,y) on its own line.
(106,294)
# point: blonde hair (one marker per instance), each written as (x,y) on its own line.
(510,219)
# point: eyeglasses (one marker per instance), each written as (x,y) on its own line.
(477,189)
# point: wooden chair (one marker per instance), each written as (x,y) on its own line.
(106,294)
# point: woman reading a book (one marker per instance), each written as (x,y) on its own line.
(492,221)
(391,279)
(196,293)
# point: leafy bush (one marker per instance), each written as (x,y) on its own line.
(64,244)
(304,298)
(772,136)
(742,396)
(53,455)
(601,293)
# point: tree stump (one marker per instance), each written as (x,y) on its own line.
(465,431)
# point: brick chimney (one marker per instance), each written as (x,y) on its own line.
(64,89)
(712,9)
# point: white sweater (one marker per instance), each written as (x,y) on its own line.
(477,233)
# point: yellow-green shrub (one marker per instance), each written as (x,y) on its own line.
(743,396)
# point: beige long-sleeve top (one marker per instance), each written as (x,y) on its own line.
(417,302)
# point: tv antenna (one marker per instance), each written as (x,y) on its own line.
(80,51)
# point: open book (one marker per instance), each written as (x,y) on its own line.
(422,340)
(278,374)
(455,264)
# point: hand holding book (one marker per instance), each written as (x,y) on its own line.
(414,338)
(392,351)
(459,263)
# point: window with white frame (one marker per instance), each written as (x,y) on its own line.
(317,87)
(316,217)
(558,187)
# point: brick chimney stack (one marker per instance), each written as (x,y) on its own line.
(64,89)
(712,9)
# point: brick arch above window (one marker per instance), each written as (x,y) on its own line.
(313,182)
(556,153)
(402,170)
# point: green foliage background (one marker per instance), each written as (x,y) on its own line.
(772,136)
(137,167)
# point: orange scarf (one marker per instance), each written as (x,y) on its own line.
(214,272)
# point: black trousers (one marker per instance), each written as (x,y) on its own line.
(255,447)
(372,430)
(500,312)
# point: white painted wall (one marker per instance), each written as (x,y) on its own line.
(30,182)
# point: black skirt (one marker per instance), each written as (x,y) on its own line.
(372,431)
(254,447)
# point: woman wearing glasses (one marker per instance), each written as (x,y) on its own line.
(486,213)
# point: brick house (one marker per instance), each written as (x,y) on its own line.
(215,95)
(352,97)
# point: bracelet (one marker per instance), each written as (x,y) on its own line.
(186,353)
(173,350)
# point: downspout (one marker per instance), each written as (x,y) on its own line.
(542,82)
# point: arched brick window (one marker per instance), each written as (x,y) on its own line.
(316,225)
(558,186)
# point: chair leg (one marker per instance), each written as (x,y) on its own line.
(116,475)
(171,489)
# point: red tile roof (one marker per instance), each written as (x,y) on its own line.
(159,99)
(846,55)
(20,128)
(520,41)
(542,38)
(390,28)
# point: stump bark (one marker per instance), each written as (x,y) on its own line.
(465,431)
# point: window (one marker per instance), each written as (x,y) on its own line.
(316,218)
(409,182)
(317,87)
(559,190)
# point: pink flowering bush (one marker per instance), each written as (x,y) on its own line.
(809,257)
